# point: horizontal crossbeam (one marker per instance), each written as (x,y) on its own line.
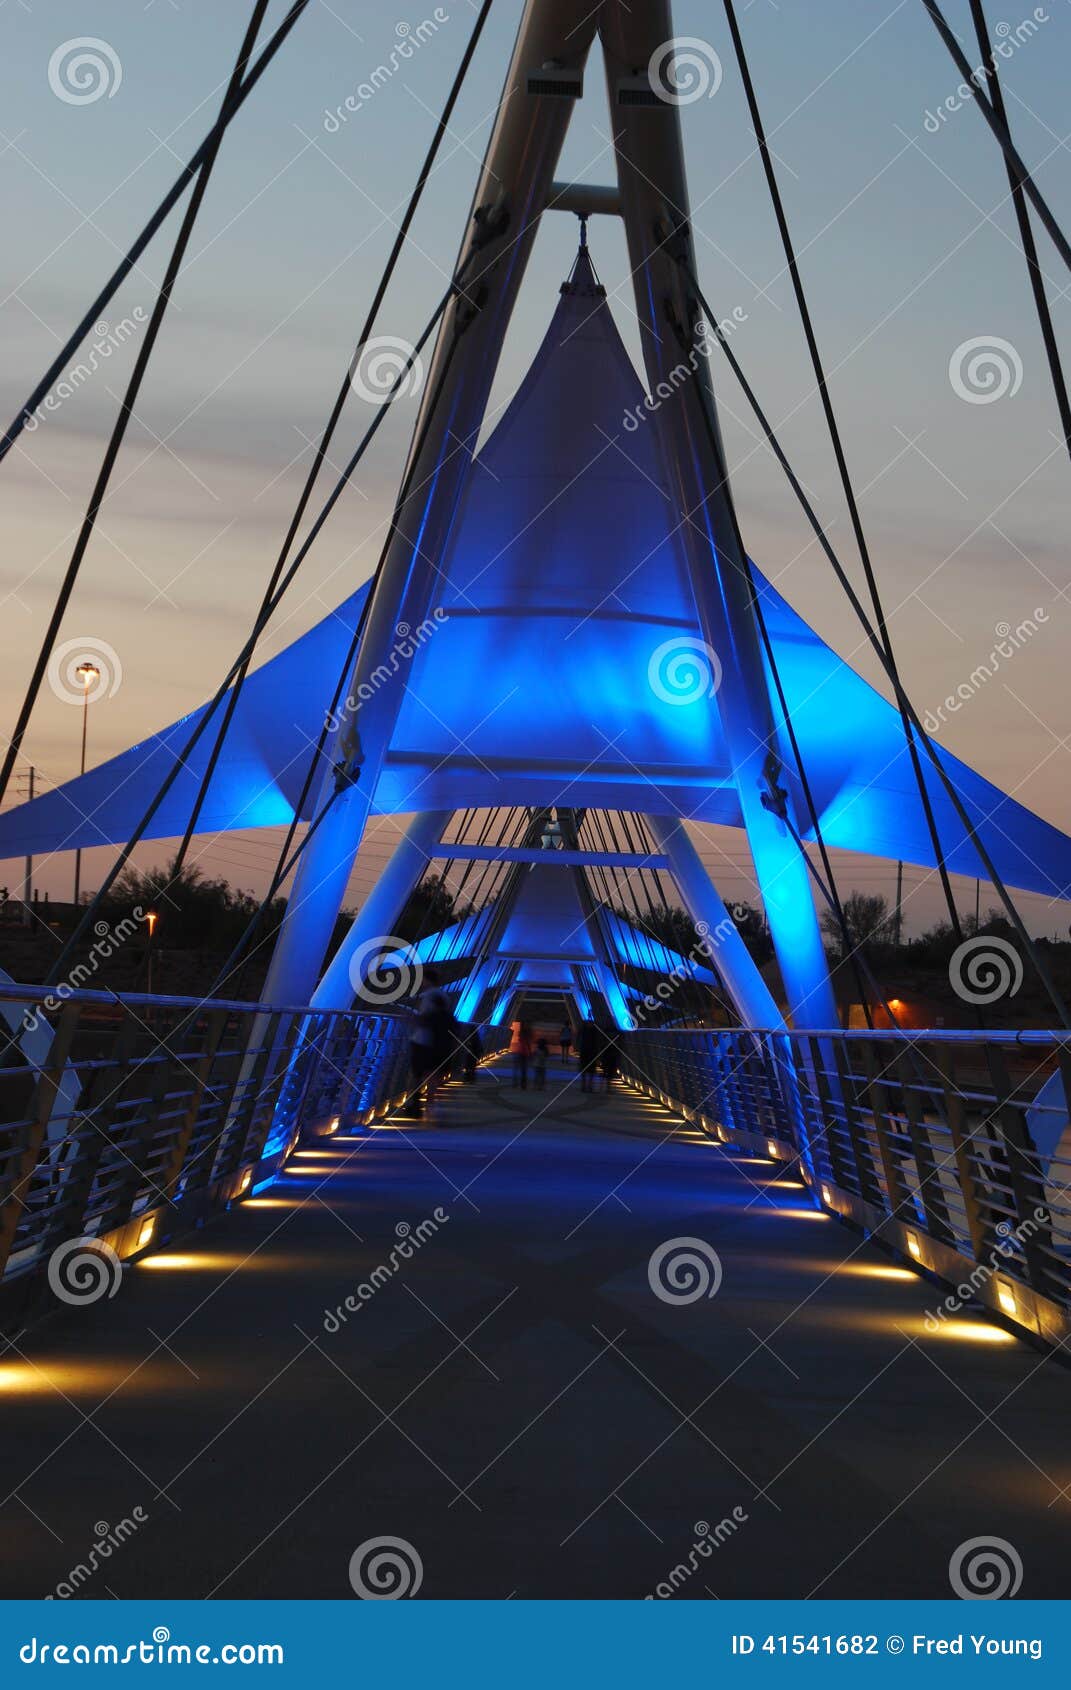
(566,859)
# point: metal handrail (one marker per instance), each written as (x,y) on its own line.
(926,1139)
(112,1127)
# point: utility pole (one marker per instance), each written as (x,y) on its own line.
(898,918)
(88,674)
(27,886)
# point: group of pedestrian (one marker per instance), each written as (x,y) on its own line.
(597,1053)
(439,1045)
(525,1048)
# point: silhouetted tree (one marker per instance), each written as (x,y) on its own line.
(868,921)
(751,925)
(430,907)
(194,912)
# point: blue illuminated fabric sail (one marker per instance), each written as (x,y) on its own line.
(562,662)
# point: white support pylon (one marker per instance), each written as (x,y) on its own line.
(515,185)
(654,200)
(376,917)
(727,952)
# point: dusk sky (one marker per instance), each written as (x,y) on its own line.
(909,250)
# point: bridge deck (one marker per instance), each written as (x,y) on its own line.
(515,1401)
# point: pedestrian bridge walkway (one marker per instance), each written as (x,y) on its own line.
(490,1339)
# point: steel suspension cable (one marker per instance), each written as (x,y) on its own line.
(407,487)
(859,609)
(337,408)
(1000,130)
(831,891)
(159,216)
(126,410)
(838,446)
(1026,232)
(180,758)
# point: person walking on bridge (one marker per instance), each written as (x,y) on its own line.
(431,1045)
(520,1048)
(539,1064)
(588,1050)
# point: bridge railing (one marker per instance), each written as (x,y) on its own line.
(952,1148)
(117,1113)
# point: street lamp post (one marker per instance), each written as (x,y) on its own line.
(151,917)
(87,673)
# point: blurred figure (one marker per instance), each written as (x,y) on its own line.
(472,1047)
(610,1060)
(565,1039)
(588,1054)
(539,1065)
(431,1046)
(520,1048)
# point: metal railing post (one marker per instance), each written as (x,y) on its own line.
(44,1100)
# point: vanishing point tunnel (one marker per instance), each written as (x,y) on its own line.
(764,1289)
